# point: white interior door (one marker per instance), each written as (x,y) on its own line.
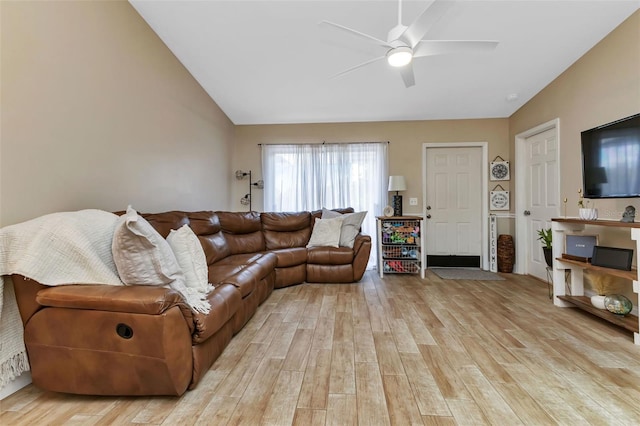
(453,201)
(541,191)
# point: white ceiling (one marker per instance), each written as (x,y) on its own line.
(266,62)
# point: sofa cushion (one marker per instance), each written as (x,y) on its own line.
(244,243)
(190,256)
(241,259)
(329,256)
(290,256)
(286,230)
(225,301)
(350,225)
(240,222)
(245,279)
(141,255)
(244,276)
(326,233)
(242,231)
(215,247)
(218,272)
(285,222)
(275,240)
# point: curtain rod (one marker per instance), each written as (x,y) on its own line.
(321,143)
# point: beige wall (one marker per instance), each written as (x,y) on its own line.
(405,148)
(98,113)
(602,86)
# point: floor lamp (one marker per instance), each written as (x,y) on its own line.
(397,183)
(246,200)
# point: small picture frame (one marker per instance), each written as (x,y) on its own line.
(499,200)
(579,246)
(499,170)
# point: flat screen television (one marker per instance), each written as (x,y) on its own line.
(611,159)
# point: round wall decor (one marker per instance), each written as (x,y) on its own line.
(499,170)
(499,200)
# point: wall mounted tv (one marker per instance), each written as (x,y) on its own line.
(611,159)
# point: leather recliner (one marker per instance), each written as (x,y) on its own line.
(141,340)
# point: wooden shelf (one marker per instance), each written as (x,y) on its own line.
(613,223)
(399,217)
(630,275)
(628,322)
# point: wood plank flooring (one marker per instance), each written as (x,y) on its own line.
(392,351)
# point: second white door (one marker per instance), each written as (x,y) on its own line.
(541,189)
(453,202)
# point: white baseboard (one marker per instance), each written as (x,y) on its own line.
(12,387)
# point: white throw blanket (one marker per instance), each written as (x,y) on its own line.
(56,249)
(60,249)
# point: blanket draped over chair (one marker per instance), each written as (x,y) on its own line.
(56,249)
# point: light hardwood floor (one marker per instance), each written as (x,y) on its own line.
(400,350)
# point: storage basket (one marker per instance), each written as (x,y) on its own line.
(405,232)
(401,266)
(506,253)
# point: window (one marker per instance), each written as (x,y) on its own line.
(310,177)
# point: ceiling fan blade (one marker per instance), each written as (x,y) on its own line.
(356,33)
(407,75)
(444,47)
(425,21)
(348,70)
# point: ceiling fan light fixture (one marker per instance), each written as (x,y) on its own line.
(399,56)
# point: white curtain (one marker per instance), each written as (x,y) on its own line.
(310,177)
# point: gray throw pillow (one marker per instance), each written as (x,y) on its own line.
(351,224)
(326,233)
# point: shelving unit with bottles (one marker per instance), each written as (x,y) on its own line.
(575,296)
(400,245)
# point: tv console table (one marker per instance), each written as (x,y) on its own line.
(576,297)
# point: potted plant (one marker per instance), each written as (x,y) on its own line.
(544,235)
(603,285)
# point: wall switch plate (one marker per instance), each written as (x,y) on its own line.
(413,201)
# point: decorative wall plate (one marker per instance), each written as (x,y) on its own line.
(499,170)
(499,200)
(388,211)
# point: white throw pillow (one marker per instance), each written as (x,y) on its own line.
(350,225)
(326,233)
(190,256)
(141,255)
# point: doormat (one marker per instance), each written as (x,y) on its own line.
(466,274)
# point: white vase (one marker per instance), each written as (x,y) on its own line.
(588,214)
(598,301)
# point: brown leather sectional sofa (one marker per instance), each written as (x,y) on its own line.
(141,340)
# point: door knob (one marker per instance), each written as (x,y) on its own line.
(527,213)
(428,207)
(428,216)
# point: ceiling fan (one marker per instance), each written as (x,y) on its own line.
(404,43)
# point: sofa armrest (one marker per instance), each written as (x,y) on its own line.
(129,299)
(361,239)
(361,252)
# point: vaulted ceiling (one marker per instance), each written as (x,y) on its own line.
(266,62)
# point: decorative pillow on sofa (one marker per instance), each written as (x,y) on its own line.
(350,225)
(141,255)
(191,258)
(326,233)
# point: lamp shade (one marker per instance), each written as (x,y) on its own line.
(397,183)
